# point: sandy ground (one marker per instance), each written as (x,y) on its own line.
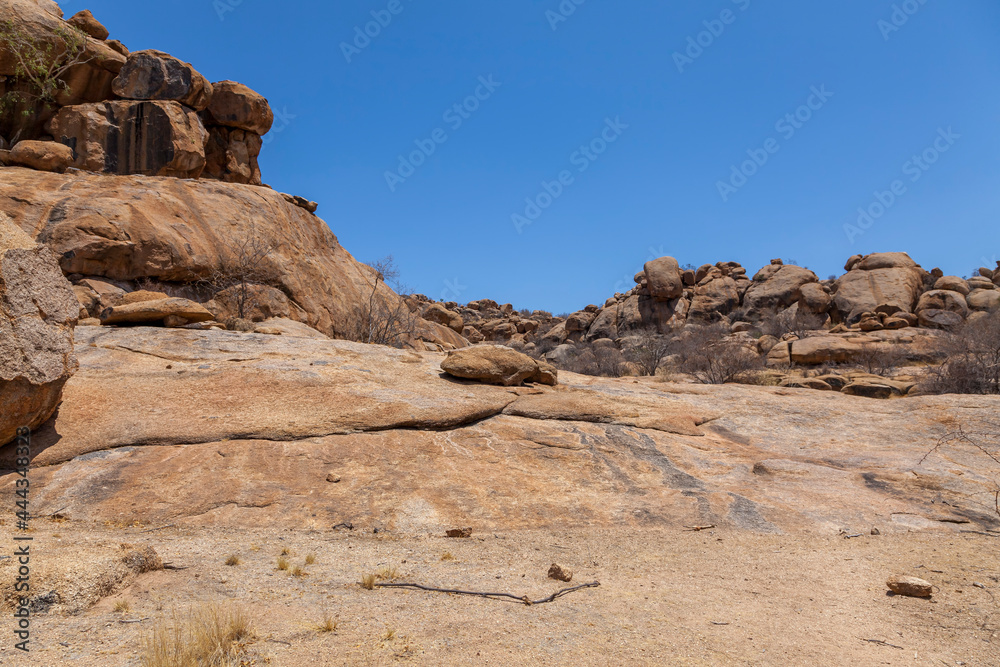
(666,597)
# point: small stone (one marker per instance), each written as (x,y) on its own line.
(333,479)
(909,586)
(459,532)
(560,573)
(876,531)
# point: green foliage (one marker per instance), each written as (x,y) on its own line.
(42,65)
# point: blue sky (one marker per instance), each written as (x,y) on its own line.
(624,142)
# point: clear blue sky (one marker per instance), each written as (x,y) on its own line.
(655,188)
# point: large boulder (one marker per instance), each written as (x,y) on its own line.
(890,280)
(714,298)
(38,311)
(41,155)
(125,137)
(126,228)
(778,286)
(495,364)
(436,312)
(983,299)
(942,299)
(154,75)
(953,283)
(235,105)
(822,350)
(156,311)
(663,279)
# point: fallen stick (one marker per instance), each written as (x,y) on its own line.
(696,529)
(138,620)
(523,599)
(153,530)
(880,643)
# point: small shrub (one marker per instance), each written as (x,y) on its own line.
(298,572)
(310,559)
(879,359)
(973,360)
(647,349)
(447,556)
(282,563)
(233,560)
(368,581)
(123,607)
(388,573)
(712,357)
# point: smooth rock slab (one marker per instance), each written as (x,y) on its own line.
(910,586)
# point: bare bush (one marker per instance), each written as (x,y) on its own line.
(647,349)
(777,324)
(245,264)
(378,321)
(986,442)
(972,365)
(712,357)
(879,358)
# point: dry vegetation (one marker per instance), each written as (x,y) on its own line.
(213,636)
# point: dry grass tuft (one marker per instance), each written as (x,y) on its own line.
(211,636)
(233,560)
(286,552)
(329,623)
(388,574)
(123,607)
(368,581)
(310,559)
(447,556)
(282,563)
(389,635)
(297,571)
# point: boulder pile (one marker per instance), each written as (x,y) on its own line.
(125,113)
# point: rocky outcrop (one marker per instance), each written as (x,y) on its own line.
(126,137)
(122,229)
(237,106)
(779,286)
(38,311)
(663,279)
(231,155)
(85,22)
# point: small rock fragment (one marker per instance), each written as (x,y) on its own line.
(333,479)
(459,532)
(909,586)
(560,573)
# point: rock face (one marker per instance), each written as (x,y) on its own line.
(126,228)
(124,137)
(231,155)
(38,311)
(494,364)
(154,75)
(156,310)
(41,155)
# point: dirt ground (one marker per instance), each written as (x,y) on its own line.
(665,597)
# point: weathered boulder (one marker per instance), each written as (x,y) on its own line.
(41,155)
(777,286)
(85,22)
(38,311)
(982,299)
(953,283)
(934,318)
(491,364)
(882,279)
(823,350)
(814,298)
(605,325)
(231,155)
(252,302)
(154,75)
(663,279)
(943,300)
(158,310)
(124,137)
(714,298)
(436,312)
(580,321)
(235,105)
